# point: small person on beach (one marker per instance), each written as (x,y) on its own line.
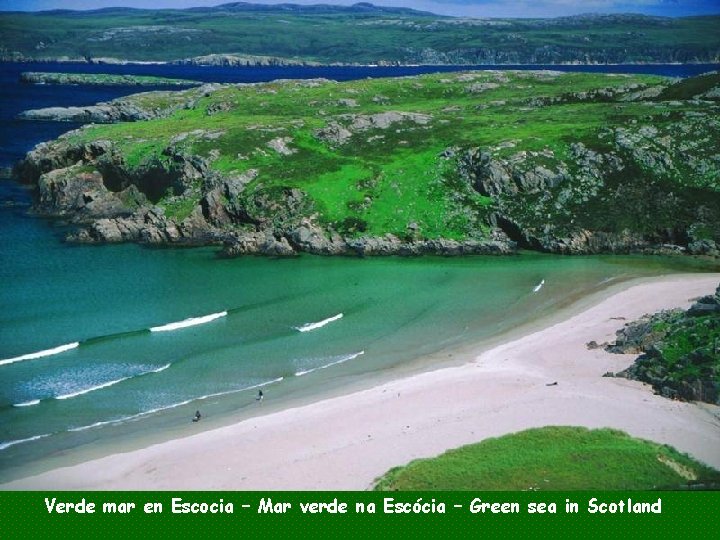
(197,416)
(259,396)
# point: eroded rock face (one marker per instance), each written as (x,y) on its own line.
(124,109)
(116,204)
(334,134)
(71,189)
(57,154)
(621,200)
(707,305)
(310,238)
(258,242)
(148,226)
(98,114)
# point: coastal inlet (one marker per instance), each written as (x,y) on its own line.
(114,346)
(94,353)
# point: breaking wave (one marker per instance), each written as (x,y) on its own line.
(8,444)
(27,403)
(41,354)
(315,325)
(192,321)
(338,360)
(110,383)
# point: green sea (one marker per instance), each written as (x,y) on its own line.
(103,345)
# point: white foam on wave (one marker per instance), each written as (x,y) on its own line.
(192,321)
(158,370)
(315,325)
(342,359)
(172,406)
(8,444)
(27,403)
(235,391)
(110,383)
(98,424)
(92,388)
(539,286)
(41,354)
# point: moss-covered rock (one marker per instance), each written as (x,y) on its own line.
(680,350)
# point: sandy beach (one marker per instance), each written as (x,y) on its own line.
(345,442)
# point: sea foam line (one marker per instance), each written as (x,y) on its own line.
(340,361)
(8,444)
(111,383)
(192,321)
(315,325)
(173,406)
(41,354)
(92,388)
(27,403)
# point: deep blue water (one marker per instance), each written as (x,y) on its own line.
(17,137)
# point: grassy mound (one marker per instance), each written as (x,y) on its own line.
(554,458)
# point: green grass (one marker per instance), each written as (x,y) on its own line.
(691,87)
(395,180)
(553,458)
(690,348)
(178,209)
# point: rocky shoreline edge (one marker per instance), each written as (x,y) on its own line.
(71,187)
(73,182)
(679,351)
(566,202)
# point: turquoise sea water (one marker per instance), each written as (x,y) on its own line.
(91,356)
(246,324)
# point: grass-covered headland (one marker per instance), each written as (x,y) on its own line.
(554,458)
(473,162)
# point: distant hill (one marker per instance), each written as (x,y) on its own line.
(361,33)
(359,7)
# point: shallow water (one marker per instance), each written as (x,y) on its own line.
(110,341)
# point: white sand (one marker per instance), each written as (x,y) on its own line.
(345,442)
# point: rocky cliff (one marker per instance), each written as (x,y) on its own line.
(434,164)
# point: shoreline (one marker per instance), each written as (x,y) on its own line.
(109,61)
(345,440)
